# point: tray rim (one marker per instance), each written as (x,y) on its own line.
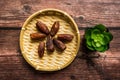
(37,13)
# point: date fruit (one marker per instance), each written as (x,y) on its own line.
(55,28)
(65,37)
(42,27)
(60,45)
(49,44)
(41,49)
(36,36)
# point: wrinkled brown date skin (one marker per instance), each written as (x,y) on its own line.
(36,36)
(60,45)
(41,49)
(55,28)
(49,44)
(42,27)
(65,37)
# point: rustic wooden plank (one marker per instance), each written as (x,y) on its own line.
(85,13)
(9,42)
(15,67)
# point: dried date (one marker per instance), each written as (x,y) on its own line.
(59,44)
(65,37)
(49,44)
(41,49)
(42,27)
(36,36)
(55,28)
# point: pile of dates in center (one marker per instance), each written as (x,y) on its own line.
(51,42)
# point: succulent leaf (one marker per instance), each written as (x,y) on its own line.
(108,35)
(89,41)
(93,44)
(87,33)
(101,27)
(98,44)
(102,48)
(94,33)
(90,47)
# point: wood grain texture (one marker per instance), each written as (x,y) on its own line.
(86,13)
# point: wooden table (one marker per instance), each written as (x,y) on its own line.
(86,13)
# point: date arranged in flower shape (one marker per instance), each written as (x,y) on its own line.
(51,41)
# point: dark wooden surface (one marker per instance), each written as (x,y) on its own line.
(86,13)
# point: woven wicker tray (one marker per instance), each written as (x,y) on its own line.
(57,60)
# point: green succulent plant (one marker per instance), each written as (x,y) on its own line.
(98,38)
